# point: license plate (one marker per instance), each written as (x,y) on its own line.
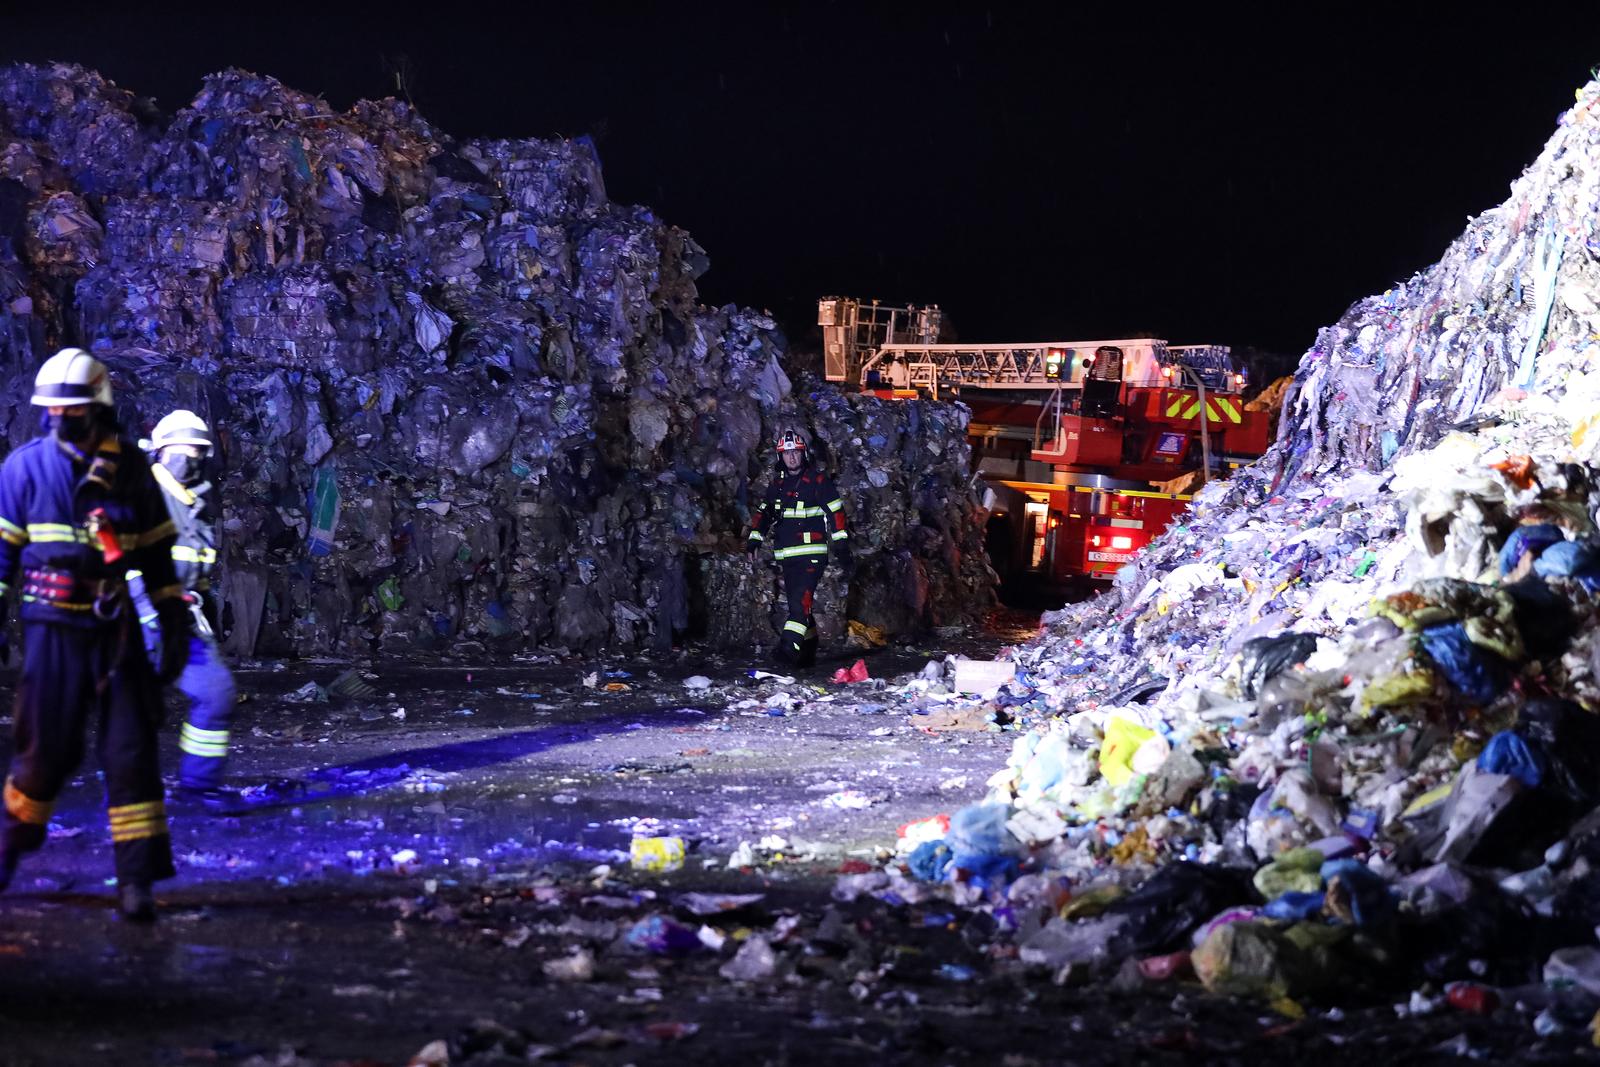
(1111,557)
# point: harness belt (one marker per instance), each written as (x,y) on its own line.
(70,592)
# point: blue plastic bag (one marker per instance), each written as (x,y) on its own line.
(1295,907)
(1570,559)
(930,861)
(1370,898)
(1479,674)
(981,845)
(1525,539)
(1507,753)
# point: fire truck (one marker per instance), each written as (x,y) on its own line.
(1086,448)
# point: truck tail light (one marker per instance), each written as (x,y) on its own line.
(1122,542)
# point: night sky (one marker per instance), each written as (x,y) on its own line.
(1041,176)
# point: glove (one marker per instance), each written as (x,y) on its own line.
(844,557)
(172,617)
(753,549)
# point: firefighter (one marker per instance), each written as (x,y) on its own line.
(181,442)
(804,517)
(78,509)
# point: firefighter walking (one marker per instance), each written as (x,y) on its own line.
(78,509)
(803,516)
(181,442)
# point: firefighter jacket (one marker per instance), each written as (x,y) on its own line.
(63,513)
(194,556)
(802,514)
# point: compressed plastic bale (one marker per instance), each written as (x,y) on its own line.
(179,235)
(84,119)
(547,180)
(378,300)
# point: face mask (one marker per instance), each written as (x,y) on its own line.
(184,468)
(74,429)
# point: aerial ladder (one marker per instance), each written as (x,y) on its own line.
(1084,438)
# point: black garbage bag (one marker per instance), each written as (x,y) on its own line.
(1569,739)
(1533,821)
(1230,807)
(1576,903)
(1564,740)
(1490,928)
(1138,691)
(1267,657)
(1543,616)
(1173,902)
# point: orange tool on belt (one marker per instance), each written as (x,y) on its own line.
(105,535)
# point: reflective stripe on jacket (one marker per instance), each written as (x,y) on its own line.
(802,514)
(48,490)
(194,556)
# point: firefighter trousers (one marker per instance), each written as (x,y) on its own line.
(209,685)
(800,577)
(58,693)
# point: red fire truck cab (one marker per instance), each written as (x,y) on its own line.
(1086,448)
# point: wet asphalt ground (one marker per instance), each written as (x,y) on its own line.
(442,869)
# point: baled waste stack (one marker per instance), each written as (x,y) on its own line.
(1347,708)
(464,400)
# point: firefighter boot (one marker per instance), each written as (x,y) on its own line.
(215,800)
(136,902)
(807,656)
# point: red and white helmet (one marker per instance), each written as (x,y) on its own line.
(791,441)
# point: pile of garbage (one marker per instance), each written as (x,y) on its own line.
(1339,730)
(464,400)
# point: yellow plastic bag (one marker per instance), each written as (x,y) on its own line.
(657,853)
(1122,739)
(864,636)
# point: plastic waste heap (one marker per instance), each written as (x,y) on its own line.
(1362,674)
